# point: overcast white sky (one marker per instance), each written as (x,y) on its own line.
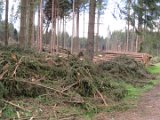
(107,20)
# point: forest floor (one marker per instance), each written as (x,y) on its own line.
(42,86)
(148,108)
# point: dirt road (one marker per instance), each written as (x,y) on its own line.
(148,108)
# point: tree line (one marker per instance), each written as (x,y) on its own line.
(141,17)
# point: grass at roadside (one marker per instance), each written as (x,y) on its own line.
(155,69)
(135,92)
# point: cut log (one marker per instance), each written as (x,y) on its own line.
(109,55)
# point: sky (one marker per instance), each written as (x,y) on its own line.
(107,20)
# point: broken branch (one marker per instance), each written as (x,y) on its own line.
(17,106)
(17,65)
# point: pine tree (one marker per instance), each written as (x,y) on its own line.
(90,41)
(6,23)
(22,34)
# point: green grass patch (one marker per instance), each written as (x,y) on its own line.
(8,112)
(135,92)
(154,69)
(130,101)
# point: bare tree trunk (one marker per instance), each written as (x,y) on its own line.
(33,32)
(97,35)
(6,24)
(140,23)
(83,23)
(73,28)
(27,24)
(128,26)
(31,22)
(58,33)
(38,33)
(40,26)
(77,32)
(22,34)
(53,29)
(90,41)
(136,43)
(65,44)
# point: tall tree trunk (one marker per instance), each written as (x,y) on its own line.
(90,41)
(27,24)
(31,22)
(40,23)
(58,27)
(38,35)
(53,29)
(77,32)
(40,27)
(22,34)
(97,34)
(6,23)
(140,23)
(73,28)
(63,42)
(83,23)
(128,26)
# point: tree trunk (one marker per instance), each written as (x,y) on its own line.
(140,23)
(58,27)
(31,22)
(40,22)
(97,35)
(53,29)
(84,23)
(73,28)
(90,41)
(6,24)
(128,25)
(63,42)
(77,32)
(22,34)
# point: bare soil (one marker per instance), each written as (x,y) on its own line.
(148,108)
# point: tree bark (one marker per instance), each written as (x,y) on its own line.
(90,41)
(6,24)
(73,28)
(22,34)
(63,42)
(97,35)
(84,23)
(53,29)
(128,25)
(31,22)
(77,32)
(40,22)
(140,23)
